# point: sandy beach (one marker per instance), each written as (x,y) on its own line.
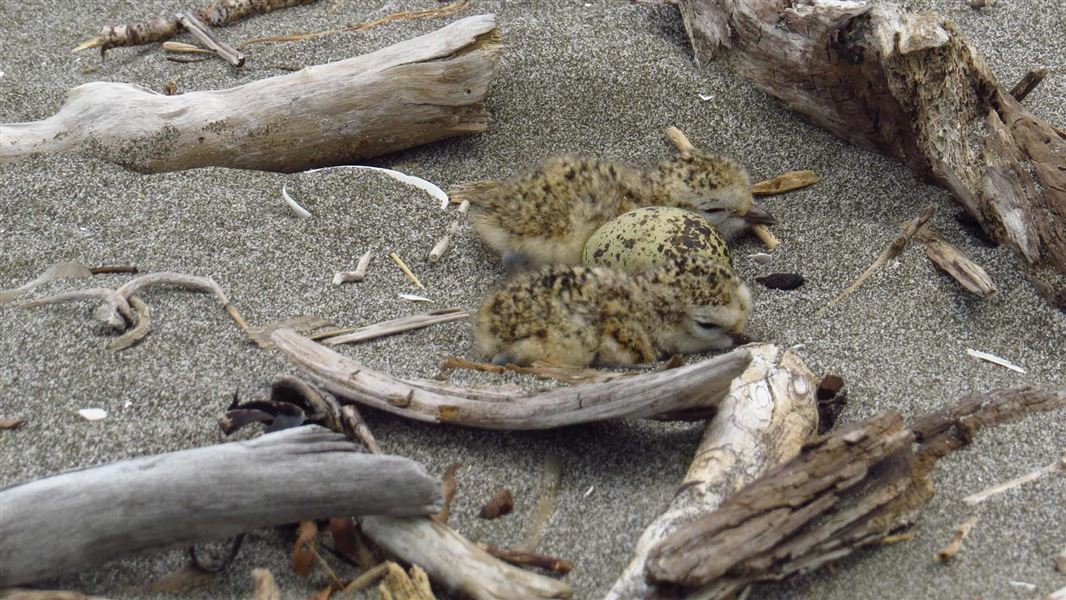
(602,78)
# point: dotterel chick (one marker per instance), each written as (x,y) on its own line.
(546,215)
(579,315)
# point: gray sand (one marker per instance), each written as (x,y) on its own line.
(602,78)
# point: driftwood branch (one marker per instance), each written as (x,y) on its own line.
(697,385)
(80,519)
(456,563)
(911,86)
(415,92)
(844,491)
(769,414)
(202,32)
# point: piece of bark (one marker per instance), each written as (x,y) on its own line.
(829,387)
(785,182)
(415,92)
(953,261)
(500,504)
(448,488)
(911,86)
(1028,83)
(399,585)
(844,491)
(766,418)
(79,519)
(700,384)
(456,563)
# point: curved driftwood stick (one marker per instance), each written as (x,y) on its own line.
(769,414)
(698,385)
(458,564)
(910,86)
(80,519)
(411,93)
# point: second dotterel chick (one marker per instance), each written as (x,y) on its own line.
(546,215)
(577,315)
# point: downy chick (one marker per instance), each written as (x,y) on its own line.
(546,215)
(578,315)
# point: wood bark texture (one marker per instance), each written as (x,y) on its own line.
(415,92)
(700,385)
(455,562)
(79,519)
(913,87)
(770,412)
(844,491)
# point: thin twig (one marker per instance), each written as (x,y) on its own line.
(406,270)
(886,255)
(378,330)
(368,578)
(355,427)
(766,236)
(952,548)
(1058,466)
(202,32)
(114,269)
(443,11)
(139,329)
(522,558)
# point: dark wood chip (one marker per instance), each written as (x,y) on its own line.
(501,504)
(781,281)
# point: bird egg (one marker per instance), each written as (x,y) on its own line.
(652,236)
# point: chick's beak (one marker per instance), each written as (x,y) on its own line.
(756,215)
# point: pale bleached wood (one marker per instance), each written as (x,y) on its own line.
(456,563)
(770,412)
(79,519)
(418,91)
(911,86)
(700,384)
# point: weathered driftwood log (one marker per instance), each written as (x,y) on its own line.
(83,518)
(455,562)
(418,91)
(701,384)
(844,491)
(911,86)
(768,415)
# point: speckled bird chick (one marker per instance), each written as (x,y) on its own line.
(578,315)
(544,216)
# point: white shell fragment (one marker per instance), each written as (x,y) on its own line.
(761,257)
(93,414)
(992,358)
(705,97)
(430,188)
(296,208)
(414,298)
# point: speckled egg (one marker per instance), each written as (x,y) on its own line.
(654,235)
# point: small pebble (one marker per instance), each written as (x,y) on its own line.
(781,281)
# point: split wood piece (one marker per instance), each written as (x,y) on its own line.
(265,586)
(220,12)
(770,412)
(358,274)
(399,585)
(448,487)
(202,32)
(540,369)
(175,499)
(892,251)
(139,330)
(953,261)
(406,270)
(1059,466)
(844,491)
(700,384)
(785,182)
(183,47)
(260,334)
(501,504)
(455,562)
(394,326)
(355,427)
(528,559)
(1028,83)
(911,86)
(418,91)
(952,548)
(115,311)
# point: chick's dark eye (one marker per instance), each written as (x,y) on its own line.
(706,325)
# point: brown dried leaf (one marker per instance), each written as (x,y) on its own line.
(342,529)
(302,553)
